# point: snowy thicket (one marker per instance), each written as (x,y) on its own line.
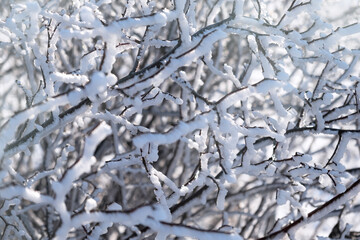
(209,119)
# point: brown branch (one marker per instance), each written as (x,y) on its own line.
(342,198)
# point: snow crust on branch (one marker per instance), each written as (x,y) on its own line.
(227,119)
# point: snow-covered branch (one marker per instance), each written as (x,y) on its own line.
(230,119)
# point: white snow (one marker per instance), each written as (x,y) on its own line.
(96,86)
(90,204)
(173,135)
(69,78)
(86,14)
(222,102)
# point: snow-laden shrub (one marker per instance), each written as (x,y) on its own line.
(213,119)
